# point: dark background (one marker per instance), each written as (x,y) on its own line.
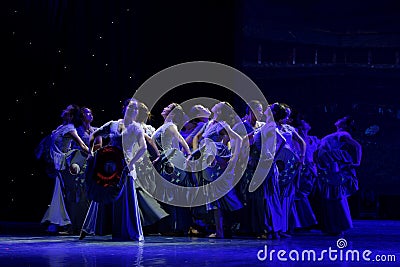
(97,53)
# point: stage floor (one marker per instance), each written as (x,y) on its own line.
(375,240)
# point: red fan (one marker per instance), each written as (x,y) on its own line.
(106,171)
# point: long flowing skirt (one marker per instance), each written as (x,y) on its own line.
(121,218)
(57,213)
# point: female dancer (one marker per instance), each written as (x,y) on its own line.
(60,144)
(151,210)
(122,215)
(337,176)
(218,132)
(289,161)
(199,116)
(303,211)
(264,207)
(170,142)
(76,197)
(249,123)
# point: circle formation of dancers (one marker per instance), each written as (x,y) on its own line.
(257,175)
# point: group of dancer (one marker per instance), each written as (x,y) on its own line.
(105,177)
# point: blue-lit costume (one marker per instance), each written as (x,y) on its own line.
(337,180)
(121,218)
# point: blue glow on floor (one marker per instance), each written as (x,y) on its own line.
(380,237)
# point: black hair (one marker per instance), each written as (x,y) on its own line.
(279,111)
(74,111)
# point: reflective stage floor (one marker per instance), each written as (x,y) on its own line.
(369,243)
